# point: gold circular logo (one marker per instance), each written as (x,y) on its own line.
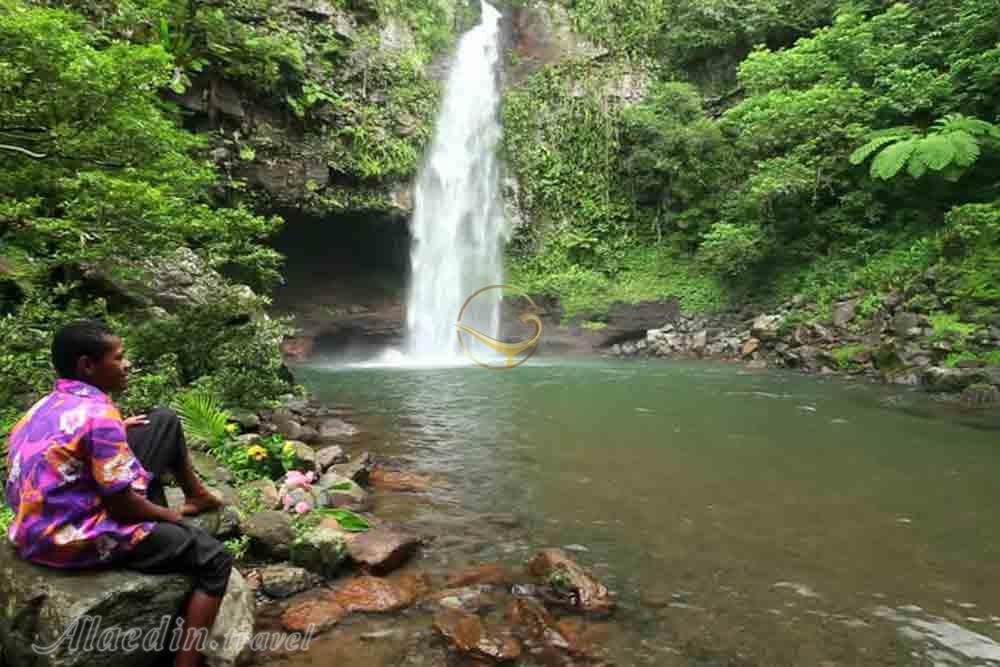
(508,350)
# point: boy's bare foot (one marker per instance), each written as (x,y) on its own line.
(203,502)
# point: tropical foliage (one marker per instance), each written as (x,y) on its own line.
(743,156)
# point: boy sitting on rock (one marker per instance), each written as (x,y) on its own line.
(87,494)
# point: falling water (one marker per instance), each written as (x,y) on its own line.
(458,223)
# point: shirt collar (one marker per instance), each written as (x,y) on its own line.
(81,389)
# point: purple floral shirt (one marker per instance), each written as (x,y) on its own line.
(67,452)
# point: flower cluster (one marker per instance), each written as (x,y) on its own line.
(296,492)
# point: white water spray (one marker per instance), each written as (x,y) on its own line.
(458,222)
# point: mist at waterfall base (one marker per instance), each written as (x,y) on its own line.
(458,226)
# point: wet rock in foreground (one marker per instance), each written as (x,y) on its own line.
(371,594)
(490,573)
(570,584)
(383,548)
(319,614)
(466,634)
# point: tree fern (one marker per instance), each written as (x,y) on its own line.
(888,163)
(865,152)
(952,145)
(203,418)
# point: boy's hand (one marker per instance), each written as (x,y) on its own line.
(171,516)
(137,420)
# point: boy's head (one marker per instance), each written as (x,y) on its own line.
(88,351)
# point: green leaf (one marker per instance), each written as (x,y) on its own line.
(348,520)
(863,153)
(890,161)
(203,418)
(937,151)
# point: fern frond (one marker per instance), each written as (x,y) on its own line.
(956,122)
(891,160)
(202,417)
(917,166)
(866,151)
(936,150)
(966,148)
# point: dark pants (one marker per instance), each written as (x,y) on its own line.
(173,548)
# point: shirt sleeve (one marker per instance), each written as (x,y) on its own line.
(112,463)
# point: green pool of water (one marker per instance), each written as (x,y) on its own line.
(742,517)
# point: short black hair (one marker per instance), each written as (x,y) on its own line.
(80,338)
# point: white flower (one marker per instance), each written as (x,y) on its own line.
(71,420)
(69,533)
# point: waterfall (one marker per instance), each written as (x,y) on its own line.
(458,223)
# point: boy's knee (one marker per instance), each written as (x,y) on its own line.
(163,415)
(214,577)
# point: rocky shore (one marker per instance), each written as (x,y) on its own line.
(303,572)
(903,339)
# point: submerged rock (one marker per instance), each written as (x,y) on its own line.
(466,633)
(471,599)
(371,594)
(392,480)
(491,573)
(318,614)
(332,429)
(570,584)
(535,623)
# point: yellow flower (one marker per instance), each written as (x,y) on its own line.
(257,453)
(230,428)
(288,447)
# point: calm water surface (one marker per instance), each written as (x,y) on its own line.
(742,517)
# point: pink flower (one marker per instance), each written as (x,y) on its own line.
(287,502)
(302,507)
(310,477)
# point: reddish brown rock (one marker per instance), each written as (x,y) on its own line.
(415,584)
(320,613)
(469,598)
(371,594)
(391,480)
(570,584)
(383,548)
(535,623)
(466,633)
(491,573)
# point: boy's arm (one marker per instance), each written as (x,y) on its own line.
(129,507)
(114,469)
